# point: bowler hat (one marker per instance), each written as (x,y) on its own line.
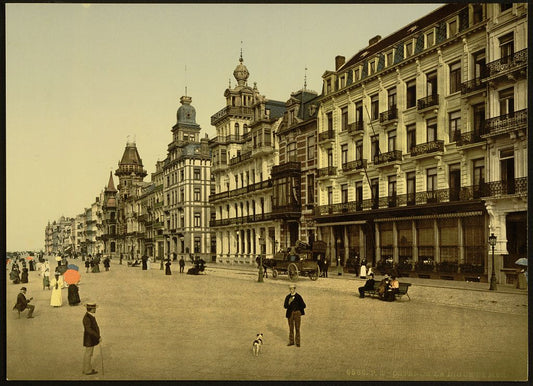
(23,289)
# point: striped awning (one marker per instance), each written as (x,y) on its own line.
(430,216)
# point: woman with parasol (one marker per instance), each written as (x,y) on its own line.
(72,277)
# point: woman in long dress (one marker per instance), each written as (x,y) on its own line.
(73,295)
(46,278)
(57,297)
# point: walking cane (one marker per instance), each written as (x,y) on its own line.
(102,357)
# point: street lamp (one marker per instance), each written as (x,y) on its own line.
(262,244)
(339,266)
(492,243)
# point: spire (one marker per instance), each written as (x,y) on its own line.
(305,78)
(110,184)
(241,73)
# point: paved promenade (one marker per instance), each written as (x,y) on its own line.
(184,327)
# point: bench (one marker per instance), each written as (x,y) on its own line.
(402,290)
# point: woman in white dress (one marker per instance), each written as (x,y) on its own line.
(57,297)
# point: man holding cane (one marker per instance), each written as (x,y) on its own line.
(91,338)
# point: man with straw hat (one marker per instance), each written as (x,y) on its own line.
(294,304)
(91,338)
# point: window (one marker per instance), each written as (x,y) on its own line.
(431,125)
(344,154)
(408,48)
(311,147)
(197,195)
(505,6)
(430,39)
(390,58)
(356,74)
(374,147)
(344,118)
(374,188)
(455,125)
(506,98)
(343,81)
(431,179)
(455,77)
(330,157)
(291,116)
(197,174)
(507,46)
(197,244)
(374,107)
(452,28)
(182,175)
(330,195)
(391,98)
(291,152)
(330,120)
(431,83)
(182,195)
(411,93)
(328,86)
(372,67)
(197,221)
(344,193)
(411,187)
(359,150)
(411,137)
(477,13)
(478,168)
(359,195)
(391,140)
(310,188)
(359,112)
(479,117)
(392,186)
(479,64)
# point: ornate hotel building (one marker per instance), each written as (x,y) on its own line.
(422,146)
(243,154)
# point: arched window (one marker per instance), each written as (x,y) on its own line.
(236,129)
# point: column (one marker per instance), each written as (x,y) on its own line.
(395,257)
(378,243)
(346,244)
(415,242)
(437,241)
(461,241)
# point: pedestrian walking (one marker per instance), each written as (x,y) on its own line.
(87,264)
(363,273)
(326,266)
(149,263)
(23,303)
(182,264)
(120,260)
(107,263)
(73,295)
(295,305)
(91,338)
(144,259)
(46,278)
(96,265)
(56,300)
(167,267)
(24,275)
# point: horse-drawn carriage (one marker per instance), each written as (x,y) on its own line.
(299,260)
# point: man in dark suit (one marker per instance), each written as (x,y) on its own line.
(369,285)
(91,337)
(294,304)
(23,303)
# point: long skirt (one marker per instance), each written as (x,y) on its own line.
(56,299)
(46,282)
(362,273)
(24,277)
(73,295)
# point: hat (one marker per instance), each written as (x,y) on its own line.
(23,289)
(292,285)
(90,305)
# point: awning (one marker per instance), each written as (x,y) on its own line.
(358,222)
(430,216)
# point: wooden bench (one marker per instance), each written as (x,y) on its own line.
(402,290)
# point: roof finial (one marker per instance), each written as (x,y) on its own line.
(229,82)
(240,59)
(305,78)
(185,80)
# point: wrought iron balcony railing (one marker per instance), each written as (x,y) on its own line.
(390,156)
(507,63)
(354,165)
(240,158)
(470,137)
(473,85)
(326,135)
(504,123)
(327,171)
(291,166)
(356,127)
(428,147)
(229,110)
(500,188)
(389,115)
(429,101)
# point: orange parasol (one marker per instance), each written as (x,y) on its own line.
(71,276)
(29,258)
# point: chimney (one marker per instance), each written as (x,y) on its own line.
(374,40)
(339,61)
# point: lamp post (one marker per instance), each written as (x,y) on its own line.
(339,265)
(262,244)
(492,243)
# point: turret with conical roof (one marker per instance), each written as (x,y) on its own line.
(130,163)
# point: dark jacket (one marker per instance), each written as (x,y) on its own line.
(22,302)
(296,305)
(91,332)
(370,284)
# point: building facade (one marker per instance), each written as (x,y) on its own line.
(243,153)
(403,150)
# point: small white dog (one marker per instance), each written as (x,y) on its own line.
(256,345)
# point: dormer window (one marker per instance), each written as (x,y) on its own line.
(408,48)
(328,86)
(452,27)
(343,81)
(430,38)
(372,66)
(356,74)
(390,58)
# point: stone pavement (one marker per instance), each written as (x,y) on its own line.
(184,327)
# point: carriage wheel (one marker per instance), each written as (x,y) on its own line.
(274,273)
(313,275)
(293,272)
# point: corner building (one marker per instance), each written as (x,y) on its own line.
(413,169)
(243,154)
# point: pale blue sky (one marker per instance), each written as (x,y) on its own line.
(81,78)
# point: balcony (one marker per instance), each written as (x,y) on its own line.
(287,167)
(326,138)
(516,186)
(472,86)
(327,171)
(390,156)
(218,196)
(240,191)
(389,116)
(428,102)
(219,165)
(243,112)
(223,140)
(427,148)
(159,224)
(356,128)
(240,158)
(290,211)
(354,165)
(158,205)
(507,64)
(505,123)
(262,148)
(468,138)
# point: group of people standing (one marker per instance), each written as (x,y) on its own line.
(18,274)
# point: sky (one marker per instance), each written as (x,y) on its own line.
(82,79)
